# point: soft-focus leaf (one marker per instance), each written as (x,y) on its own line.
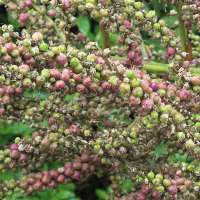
(12,21)
(64,195)
(83,24)
(101,193)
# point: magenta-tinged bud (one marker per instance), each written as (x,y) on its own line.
(131,55)
(15,154)
(10,90)
(170,51)
(61,59)
(73,129)
(99,60)
(156,194)
(60,178)
(146,77)
(51,13)
(154,86)
(114,89)
(144,84)
(23,158)
(2,92)
(14,146)
(127,23)
(22,5)
(102,2)
(87,81)
(147,104)
(188,25)
(19,92)
(85,168)
(92,169)
(77,77)
(120,40)
(172,189)
(105,85)
(23,17)
(182,95)
(195,80)
(140,196)
(172,87)
(162,85)
(51,121)
(85,157)
(145,189)
(133,45)
(96,159)
(76,175)
(197,3)
(28,3)
(167,56)
(9,47)
(81,36)
(68,164)
(60,84)
(188,182)
(46,179)
(69,171)
(55,73)
(102,23)
(194,62)
(137,61)
(66,3)
(24,67)
(37,185)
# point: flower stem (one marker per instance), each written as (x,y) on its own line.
(143,49)
(105,39)
(159,68)
(182,30)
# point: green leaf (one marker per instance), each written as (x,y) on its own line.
(70,186)
(83,24)
(12,21)
(91,36)
(64,195)
(101,193)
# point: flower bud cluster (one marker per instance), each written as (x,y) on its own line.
(115,114)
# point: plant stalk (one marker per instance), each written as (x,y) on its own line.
(182,30)
(105,39)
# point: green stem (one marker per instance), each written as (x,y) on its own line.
(48,19)
(182,30)
(159,68)
(143,48)
(70,103)
(105,39)
(133,123)
(26,25)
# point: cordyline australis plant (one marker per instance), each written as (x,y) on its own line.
(81,134)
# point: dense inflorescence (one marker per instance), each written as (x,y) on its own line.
(120,109)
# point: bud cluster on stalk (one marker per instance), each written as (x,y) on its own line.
(118,111)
